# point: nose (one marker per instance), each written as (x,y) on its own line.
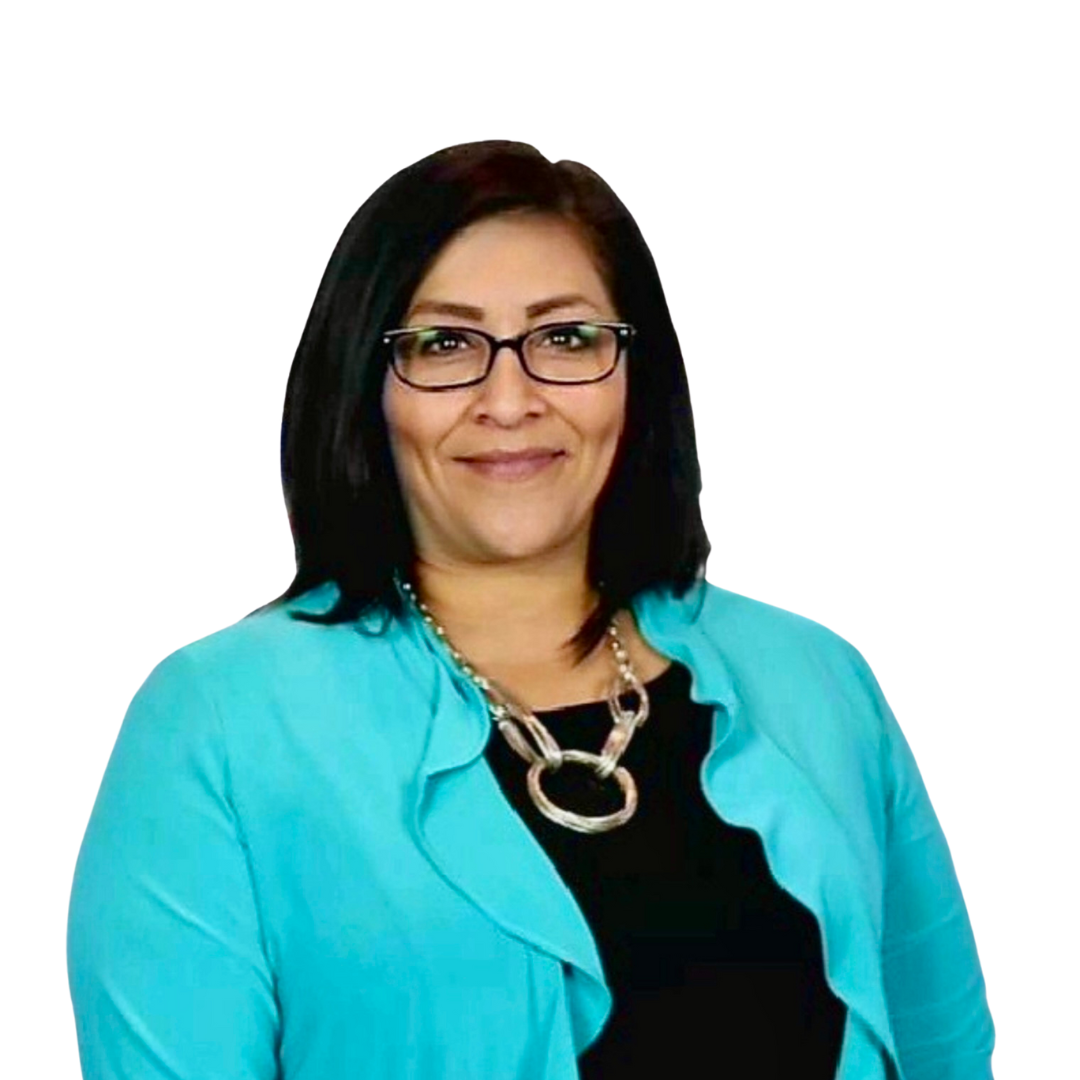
(508,395)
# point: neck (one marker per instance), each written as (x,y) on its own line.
(503,613)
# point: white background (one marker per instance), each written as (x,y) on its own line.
(866,220)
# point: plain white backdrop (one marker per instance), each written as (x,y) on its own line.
(866,220)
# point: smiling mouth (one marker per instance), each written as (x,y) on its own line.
(512,465)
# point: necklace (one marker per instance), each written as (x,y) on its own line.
(520,724)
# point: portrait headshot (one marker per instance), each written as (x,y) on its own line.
(559,570)
(501,756)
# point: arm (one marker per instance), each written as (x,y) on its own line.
(166,965)
(933,981)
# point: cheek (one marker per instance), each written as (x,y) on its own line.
(405,433)
(415,428)
(600,423)
(609,418)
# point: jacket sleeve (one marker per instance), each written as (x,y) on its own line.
(166,966)
(933,981)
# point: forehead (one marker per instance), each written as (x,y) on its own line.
(514,258)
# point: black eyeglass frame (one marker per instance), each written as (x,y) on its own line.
(624,335)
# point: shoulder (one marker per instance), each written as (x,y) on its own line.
(775,649)
(271,636)
(260,696)
(804,686)
(753,626)
(768,626)
(766,630)
(272,653)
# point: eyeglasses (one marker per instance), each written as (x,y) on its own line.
(562,354)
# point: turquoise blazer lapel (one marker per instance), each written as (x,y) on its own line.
(795,764)
(753,777)
(481,847)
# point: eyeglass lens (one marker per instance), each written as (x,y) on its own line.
(447,356)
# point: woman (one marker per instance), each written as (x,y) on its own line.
(500,786)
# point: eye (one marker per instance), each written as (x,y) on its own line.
(569,337)
(439,342)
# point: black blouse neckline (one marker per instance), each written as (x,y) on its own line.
(670,682)
(700,945)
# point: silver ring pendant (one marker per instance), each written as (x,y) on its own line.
(582,822)
(516,723)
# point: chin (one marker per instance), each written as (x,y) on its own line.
(512,545)
(522,551)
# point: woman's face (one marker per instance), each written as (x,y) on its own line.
(505,275)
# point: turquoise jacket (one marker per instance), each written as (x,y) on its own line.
(300,867)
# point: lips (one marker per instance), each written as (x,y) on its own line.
(502,456)
(512,464)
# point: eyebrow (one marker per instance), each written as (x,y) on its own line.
(468,311)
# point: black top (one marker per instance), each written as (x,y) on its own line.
(706,956)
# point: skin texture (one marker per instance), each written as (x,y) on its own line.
(502,559)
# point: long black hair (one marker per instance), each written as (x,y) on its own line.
(344,502)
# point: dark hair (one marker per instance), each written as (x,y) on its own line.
(344,503)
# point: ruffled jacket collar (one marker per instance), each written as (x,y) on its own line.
(749,777)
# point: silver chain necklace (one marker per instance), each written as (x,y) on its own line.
(519,724)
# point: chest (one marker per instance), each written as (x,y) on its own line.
(408,902)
